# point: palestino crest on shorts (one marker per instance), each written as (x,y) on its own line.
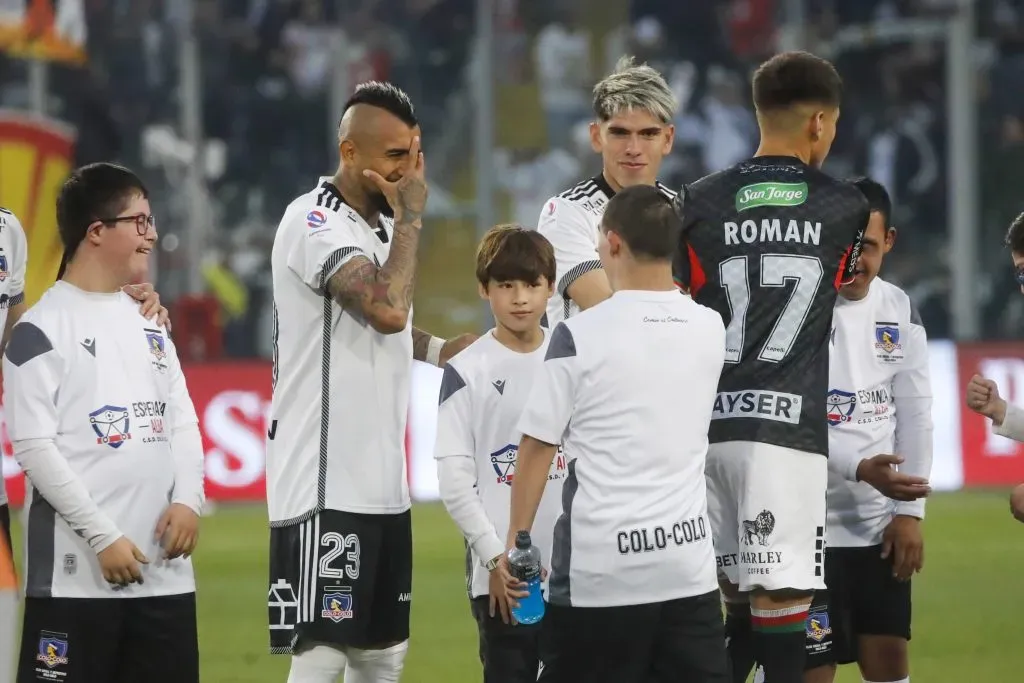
(759,529)
(4,272)
(504,464)
(888,347)
(337,604)
(111,425)
(839,406)
(818,627)
(53,649)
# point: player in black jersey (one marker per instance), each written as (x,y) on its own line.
(767,243)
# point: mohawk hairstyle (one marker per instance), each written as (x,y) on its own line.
(386,96)
(631,87)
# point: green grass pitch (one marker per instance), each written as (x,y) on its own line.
(967,602)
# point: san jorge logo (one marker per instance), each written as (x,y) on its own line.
(771,194)
(35,159)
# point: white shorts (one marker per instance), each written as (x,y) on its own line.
(767,510)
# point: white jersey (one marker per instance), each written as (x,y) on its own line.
(628,387)
(483,392)
(879,401)
(87,375)
(341,389)
(571,223)
(13,260)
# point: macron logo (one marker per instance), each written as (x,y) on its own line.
(90,346)
(499,384)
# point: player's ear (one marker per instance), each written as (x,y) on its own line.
(347,151)
(817,125)
(482,289)
(595,137)
(670,136)
(93,234)
(890,240)
(614,242)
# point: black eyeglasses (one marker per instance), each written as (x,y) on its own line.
(142,222)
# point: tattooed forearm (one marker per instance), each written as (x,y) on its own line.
(420,343)
(382,295)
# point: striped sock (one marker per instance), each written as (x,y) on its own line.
(785,620)
(779,642)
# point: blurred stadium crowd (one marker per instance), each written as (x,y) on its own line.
(274,71)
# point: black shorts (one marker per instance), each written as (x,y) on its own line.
(862,598)
(509,653)
(340,578)
(86,640)
(678,640)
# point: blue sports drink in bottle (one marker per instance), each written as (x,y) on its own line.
(524,564)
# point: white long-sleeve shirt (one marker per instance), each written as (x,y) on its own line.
(483,392)
(879,401)
(103,425)
(1013,423)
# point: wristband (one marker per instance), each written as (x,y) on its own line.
(434,351)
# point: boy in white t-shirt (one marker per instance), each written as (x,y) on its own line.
(483,392)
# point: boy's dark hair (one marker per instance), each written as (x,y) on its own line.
(793,78)
(646,221)
(92,193)
(877,196)
(1015,235)
(386,96)
(511,252)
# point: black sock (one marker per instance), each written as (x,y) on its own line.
(780,642)
(739,639)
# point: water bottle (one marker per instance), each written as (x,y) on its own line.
(524,564)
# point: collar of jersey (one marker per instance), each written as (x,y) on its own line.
(647,294)
(776,159)
(602,184)
(77,291)
(327,184)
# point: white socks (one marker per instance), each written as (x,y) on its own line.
(902,680)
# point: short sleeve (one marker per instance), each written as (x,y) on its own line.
(553,396)
(18,258)
(322,243)
(454,416)
(32,375)
(572,236)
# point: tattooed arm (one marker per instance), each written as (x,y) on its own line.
(383,296)
(442,349)
(420,344)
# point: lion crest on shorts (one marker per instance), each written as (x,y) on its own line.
(761,528)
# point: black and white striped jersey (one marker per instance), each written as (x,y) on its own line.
(570,221)
(341,389)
